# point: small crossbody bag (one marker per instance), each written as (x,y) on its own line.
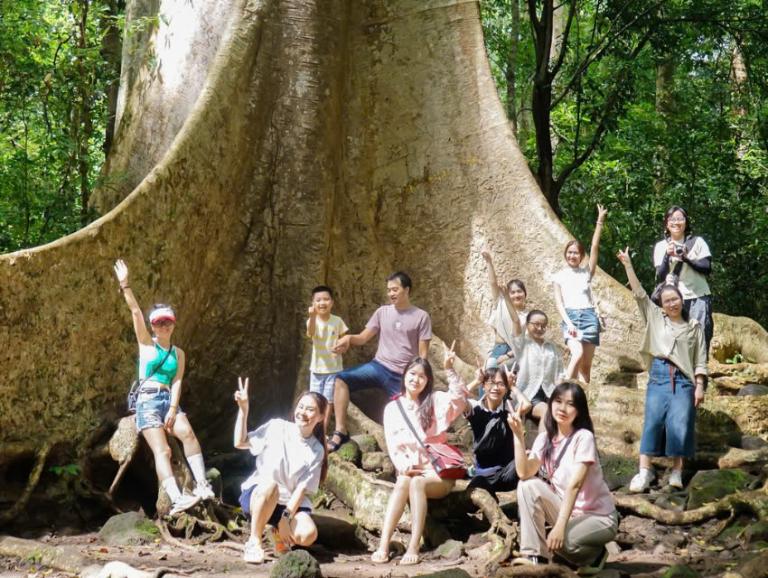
(133,392)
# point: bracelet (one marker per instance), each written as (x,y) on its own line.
(174,407)
(599,222)
(124,287)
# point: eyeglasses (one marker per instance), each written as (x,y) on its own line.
(676,220)
(163,323)
(538,325)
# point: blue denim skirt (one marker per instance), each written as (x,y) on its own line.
(585,321)
(151,408)
(670,416)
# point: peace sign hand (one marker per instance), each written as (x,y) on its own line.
(624,257)
(601,213)
(450,357)
(241,395)
(511,375)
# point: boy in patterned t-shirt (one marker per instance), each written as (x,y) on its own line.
(324,329)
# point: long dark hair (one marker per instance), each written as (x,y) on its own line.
(426,411)
(671,211)
(582,420)
(318,432)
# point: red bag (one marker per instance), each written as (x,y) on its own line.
(447,460)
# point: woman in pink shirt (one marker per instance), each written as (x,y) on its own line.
(431,414)
(569,493)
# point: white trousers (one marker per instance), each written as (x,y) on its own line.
(585,535)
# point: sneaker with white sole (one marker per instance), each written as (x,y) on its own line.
(253,552)
(529,560)
(642,481)
(676,479)
(204,491)
(185,502)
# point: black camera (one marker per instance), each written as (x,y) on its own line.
(679,250)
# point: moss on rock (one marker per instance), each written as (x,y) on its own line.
(710,485)
(296,564)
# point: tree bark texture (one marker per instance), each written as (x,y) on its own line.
(271,146)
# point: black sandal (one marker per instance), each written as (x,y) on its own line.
(335,445)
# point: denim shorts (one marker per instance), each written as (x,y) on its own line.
(322,383)
(151,408)
(670,416)
(274,519)
(585,321)
(372,374)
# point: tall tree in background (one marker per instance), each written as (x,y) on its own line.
(58,63)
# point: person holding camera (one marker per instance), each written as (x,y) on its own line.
(684,260)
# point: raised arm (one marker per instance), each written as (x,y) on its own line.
(492,281)
(139,327)
(634,282)
(525,466)
(241,422)
(594,249)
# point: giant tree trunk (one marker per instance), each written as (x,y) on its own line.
(263,147)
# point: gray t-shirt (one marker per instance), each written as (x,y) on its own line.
(399,334)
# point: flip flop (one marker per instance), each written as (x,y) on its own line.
(335,445)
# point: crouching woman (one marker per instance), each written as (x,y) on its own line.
(290,464)
(574,497)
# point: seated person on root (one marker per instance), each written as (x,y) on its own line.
(540,364)
(575,500)
(291,462)
(494,448)
(404,332)
(431,414)
(158,414)
(674,347)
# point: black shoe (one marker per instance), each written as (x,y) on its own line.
(596,566)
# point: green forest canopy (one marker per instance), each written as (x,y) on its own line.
(639,105)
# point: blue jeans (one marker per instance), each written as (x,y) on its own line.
(372,374)
(670,416)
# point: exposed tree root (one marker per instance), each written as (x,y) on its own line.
(359,422)
(503,531)
(757,567)
(168,537)
(736,458)
(755,501)
(34,477)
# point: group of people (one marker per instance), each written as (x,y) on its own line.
(559,479)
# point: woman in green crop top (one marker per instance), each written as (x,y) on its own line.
(161,368)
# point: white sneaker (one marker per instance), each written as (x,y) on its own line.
(185,502)
(676,479)
(253,552)
(204,491)
(642,481)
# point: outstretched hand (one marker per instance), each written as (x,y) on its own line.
(486,253)
(241,395)
(624,257)
(516,424)
(121,272)
(450,356)
(601,213)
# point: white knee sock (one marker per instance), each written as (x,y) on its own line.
(171,488)
(198,467)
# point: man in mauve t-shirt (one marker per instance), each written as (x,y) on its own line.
(404,332)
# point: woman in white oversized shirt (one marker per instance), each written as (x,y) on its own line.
(290,464)
(573,298)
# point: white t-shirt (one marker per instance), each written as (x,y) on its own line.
(284,456)
(692,284)
(575,287)
(540,365)
(501,321)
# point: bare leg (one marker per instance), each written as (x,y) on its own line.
(577,351)
(158,443)
(540,411)
(341,403)
(328,414)
(677,463)
(645,461)
(182,429)
(395,507)
(422,487)
(263,502)
(585,368)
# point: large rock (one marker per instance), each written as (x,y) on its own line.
(753,389)
(710,485)
(128,529)
(366,442)
(336,530)
(450,550)
(296,564)
(374,461)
